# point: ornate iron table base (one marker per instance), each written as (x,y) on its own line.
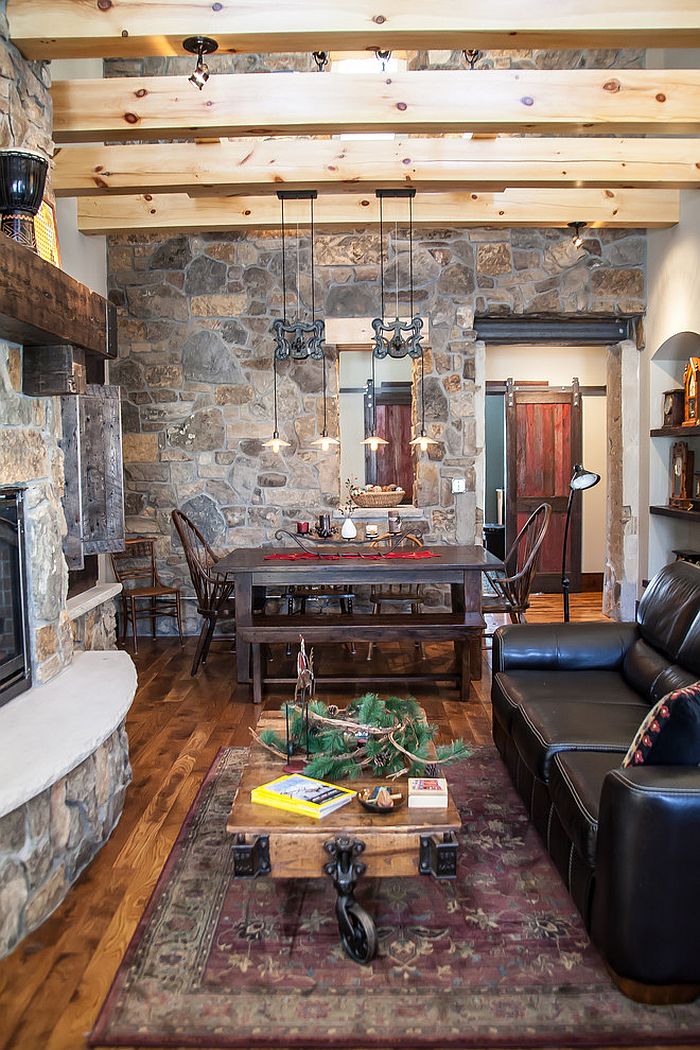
(358,934)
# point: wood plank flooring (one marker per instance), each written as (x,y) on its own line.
(53,984)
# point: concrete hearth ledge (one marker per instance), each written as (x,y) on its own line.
(83,603)
(49,730)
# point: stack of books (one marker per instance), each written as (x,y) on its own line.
(427,793)
(304,795)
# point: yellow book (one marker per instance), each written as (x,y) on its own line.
(300,794)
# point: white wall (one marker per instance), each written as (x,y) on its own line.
(673,307)
(84,258)
(557,365)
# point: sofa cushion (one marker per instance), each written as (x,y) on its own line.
(511,689)
(669,608)
(542,729)
(650,674)
(670,733)
(575,782)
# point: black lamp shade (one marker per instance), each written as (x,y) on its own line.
(582,478)
(22,181)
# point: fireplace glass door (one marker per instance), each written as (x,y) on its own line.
(15,674)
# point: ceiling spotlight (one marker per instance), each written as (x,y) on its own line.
(200,46)
(576,238)
(472,56)
(321,59)
(384,57)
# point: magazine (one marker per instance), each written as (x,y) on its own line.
(300,794)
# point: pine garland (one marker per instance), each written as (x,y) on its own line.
(370,737)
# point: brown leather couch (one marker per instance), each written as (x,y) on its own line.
(567,702)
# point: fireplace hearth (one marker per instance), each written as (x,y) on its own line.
(15,663)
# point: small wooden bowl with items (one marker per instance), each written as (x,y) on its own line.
(377,496)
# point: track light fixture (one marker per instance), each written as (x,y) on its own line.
(321,59)
(472,57)
(383,57)
(200,46)
(576,238)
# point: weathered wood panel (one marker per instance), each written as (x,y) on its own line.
(103,481)
(49,371)
(41,305)
(72,490)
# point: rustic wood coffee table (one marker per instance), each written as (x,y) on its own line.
(342,846)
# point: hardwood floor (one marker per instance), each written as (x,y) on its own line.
(52,986)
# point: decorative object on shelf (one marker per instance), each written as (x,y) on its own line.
(323,526)
(380,799)
(673,407)
(682,470)
(22,181)
(580,479)
(372,736)
(691,379)
(394,523)
(200,46)
(377,496)
(302,528)
(318,547)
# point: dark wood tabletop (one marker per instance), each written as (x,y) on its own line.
(449,559)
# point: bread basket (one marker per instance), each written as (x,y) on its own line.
(377,500)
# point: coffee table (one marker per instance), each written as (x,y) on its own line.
(343,846)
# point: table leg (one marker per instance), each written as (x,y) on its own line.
(358,934)
(244,615)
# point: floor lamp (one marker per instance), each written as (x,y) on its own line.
(580,479)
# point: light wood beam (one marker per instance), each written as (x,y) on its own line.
(123,28)
(178,212)
(581,100)
(259,166)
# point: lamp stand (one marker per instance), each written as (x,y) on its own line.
(565,581)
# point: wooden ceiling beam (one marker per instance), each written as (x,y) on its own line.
(132,28)
(181,213)
(583,101)
(328,165)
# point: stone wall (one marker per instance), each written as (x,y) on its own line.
(30,457)
(97,628)
(195,362)
(45,844)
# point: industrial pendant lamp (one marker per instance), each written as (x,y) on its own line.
(298,339)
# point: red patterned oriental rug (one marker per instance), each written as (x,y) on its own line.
(498,958)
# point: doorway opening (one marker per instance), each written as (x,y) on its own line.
(551,415)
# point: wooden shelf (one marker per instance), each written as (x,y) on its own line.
(681,431)
(676,512)
(40,305)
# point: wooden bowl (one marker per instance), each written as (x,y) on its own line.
(372,807)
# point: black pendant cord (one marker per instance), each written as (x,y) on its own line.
(381,254)
(422,393)
(274,393)
(313,281)
(324,432)
(284,271)
(410,251)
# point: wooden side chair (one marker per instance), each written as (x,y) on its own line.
(143,595)
(398,594)
(511,585)
(215,598)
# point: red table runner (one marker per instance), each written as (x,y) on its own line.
(308,556)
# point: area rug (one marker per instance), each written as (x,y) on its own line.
(498,958)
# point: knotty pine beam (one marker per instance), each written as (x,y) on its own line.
(124,28)
(581,100)
(260,166)
(179,212)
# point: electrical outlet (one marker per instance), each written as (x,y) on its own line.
(459,485)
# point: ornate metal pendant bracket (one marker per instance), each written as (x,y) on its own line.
(298,340)
(397,338)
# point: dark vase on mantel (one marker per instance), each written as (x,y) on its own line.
(22,181)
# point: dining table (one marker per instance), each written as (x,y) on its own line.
(457,567)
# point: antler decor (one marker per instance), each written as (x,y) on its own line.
(371,736)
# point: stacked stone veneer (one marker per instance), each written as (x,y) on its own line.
(45,844)
(195,364)
(97,628)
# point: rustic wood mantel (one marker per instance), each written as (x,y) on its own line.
(41,305)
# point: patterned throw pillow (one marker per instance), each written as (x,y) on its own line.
(670,733)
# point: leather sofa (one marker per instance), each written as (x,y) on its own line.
(567,701)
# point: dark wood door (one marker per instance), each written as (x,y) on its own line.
(543,442)
(392,464)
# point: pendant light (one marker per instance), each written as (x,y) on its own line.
(399,338)
(298,339)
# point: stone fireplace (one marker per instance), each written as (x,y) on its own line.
(15,667)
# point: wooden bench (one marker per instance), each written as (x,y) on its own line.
(428,627)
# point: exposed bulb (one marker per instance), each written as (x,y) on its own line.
(373,442)
(276,443)
(423,443)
